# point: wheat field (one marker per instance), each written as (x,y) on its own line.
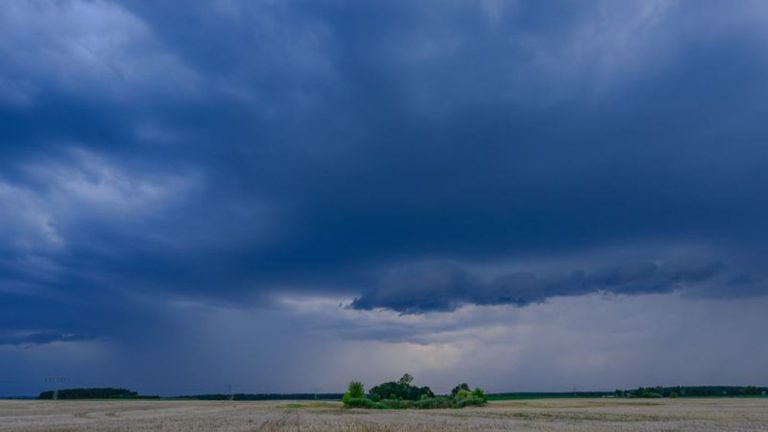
(592,415)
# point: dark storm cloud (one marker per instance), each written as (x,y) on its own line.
(444,287)
(237,150)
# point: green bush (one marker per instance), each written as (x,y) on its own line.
(401,389)
(463,394)
(462,386)
(354,391)
(434,403)
(471,401)
(479,393)
(397,404)
(403,395)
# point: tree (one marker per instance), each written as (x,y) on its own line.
(406,379)
(462,386)
(426,391)
(91,393)
(462,394)
(479,394)
(401,389)
(355,390)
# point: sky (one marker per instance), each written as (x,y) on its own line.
(283,196)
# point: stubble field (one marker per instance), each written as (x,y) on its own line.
(699,415)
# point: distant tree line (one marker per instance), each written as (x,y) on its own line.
(548,395)
(265,396)
(94,393)
(402,394)
(122,393)
(695,391)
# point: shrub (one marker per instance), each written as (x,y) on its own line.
(434,403)
(360,403)
(401,389)
(403,395)
(479,394)
(470,401)
(462,394)
(397,404)
(354,391)
(462,386)
(417,393)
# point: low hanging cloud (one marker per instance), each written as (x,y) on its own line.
(446,286)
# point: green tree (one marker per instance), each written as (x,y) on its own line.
(406,380)
(479,394)
(462,386)
(462,394)
(355,390)
(401,389)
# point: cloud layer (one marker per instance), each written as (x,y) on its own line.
(444,287)
(236,163)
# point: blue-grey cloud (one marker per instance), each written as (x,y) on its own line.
(444,287)
(236,152)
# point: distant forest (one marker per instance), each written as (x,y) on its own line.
(121,393)
(93,393)
(640,392)
(643,392)
(698,391)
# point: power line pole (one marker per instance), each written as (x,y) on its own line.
(56,381)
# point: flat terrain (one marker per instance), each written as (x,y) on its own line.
(532,415)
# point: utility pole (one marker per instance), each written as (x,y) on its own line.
(56,381)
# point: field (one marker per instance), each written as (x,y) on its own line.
(533,415)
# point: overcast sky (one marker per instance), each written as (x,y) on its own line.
(288,195)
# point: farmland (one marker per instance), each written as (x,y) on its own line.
(708,414)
